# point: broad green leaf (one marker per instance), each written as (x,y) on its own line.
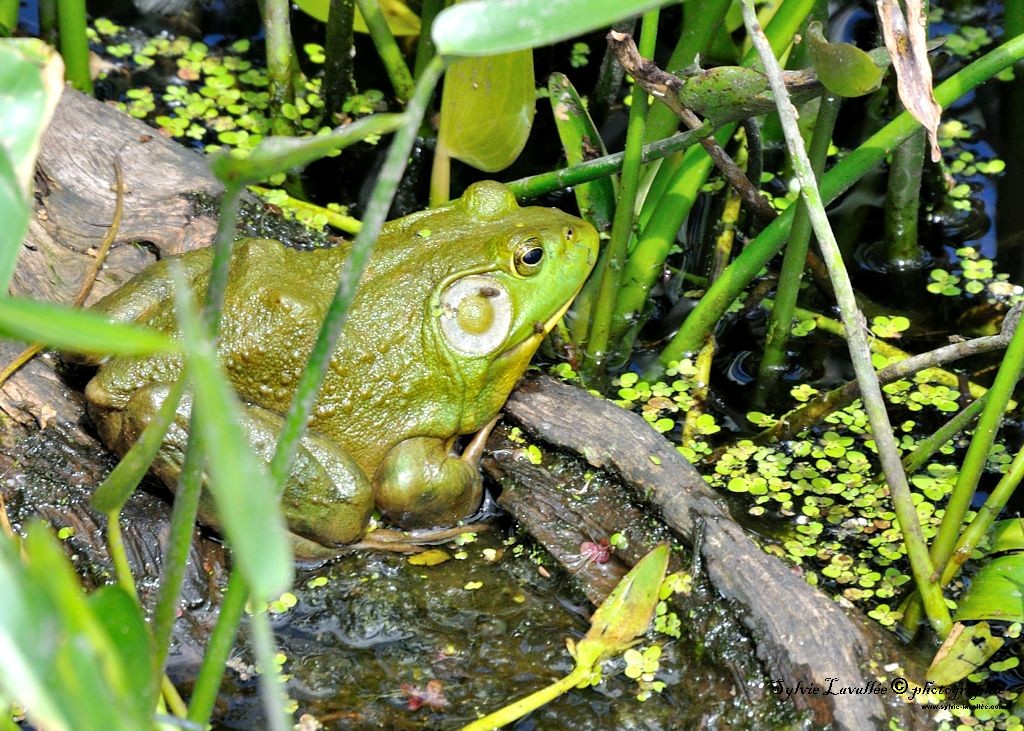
(996,591)
(966,650)
(581,142)
(626,613)
(488,27)
(77,331)
(280,154)
(128,473)
(59,659)
(14,213)
(843,68)
(1007,535)
(246,500)
(401,20)
(487,109)
(119,614)
(31,82)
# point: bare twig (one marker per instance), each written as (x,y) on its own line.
(665,88)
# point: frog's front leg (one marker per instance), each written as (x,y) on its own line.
(422,483)
(326,503)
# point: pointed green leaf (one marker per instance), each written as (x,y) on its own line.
(281,154)
(128,473)
(246,500)
(487,109)
(627,612)
(843,68)
(581,142)
(965,651)
(483,28)
(77,331)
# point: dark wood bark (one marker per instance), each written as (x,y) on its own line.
(800,635)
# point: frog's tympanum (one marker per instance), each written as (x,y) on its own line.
(450,309)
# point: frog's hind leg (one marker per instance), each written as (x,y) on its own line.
(327,500)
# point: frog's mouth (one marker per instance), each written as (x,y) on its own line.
(541,329)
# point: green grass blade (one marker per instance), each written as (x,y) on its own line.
(280,154)
(246,501)
(125,477)
(500,26)
(77,331)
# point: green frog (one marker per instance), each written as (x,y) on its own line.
(452,305)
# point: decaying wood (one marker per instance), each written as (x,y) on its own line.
(801,636)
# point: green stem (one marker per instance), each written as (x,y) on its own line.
(74,43)
(601,167)
(595,355)
(387,49)
(838,180)
(425,46)
(930,445)
(532,702)
(8,17)
(978,451)
(373,220)
(115,542)
(271,690)
(204,693)
(48,21)
(277,27)
(902,202)
(860,354)
(338,50)
(186,499)
(773,361)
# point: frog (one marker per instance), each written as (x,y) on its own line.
(451,307)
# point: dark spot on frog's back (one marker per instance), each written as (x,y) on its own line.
(489,292)
(538,328)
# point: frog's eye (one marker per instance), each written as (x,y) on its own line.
(528,257)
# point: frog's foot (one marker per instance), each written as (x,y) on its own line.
(326,503)
(422,484)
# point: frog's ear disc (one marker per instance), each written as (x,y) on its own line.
(488,200)
(476,314)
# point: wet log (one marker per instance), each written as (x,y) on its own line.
(801,636)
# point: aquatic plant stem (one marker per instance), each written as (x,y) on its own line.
(849,170)
(596,350)
(856,333)
(532,702)
(204,693)
(338,52)
(186,499)
(773,360)
(376,211)
(74,43)
(271,691)
(601,167)
(8,16)
(277,26)
(977,453)
(425,46)
(387,49)
(902,202)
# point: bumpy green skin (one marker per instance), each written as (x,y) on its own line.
(426,355)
